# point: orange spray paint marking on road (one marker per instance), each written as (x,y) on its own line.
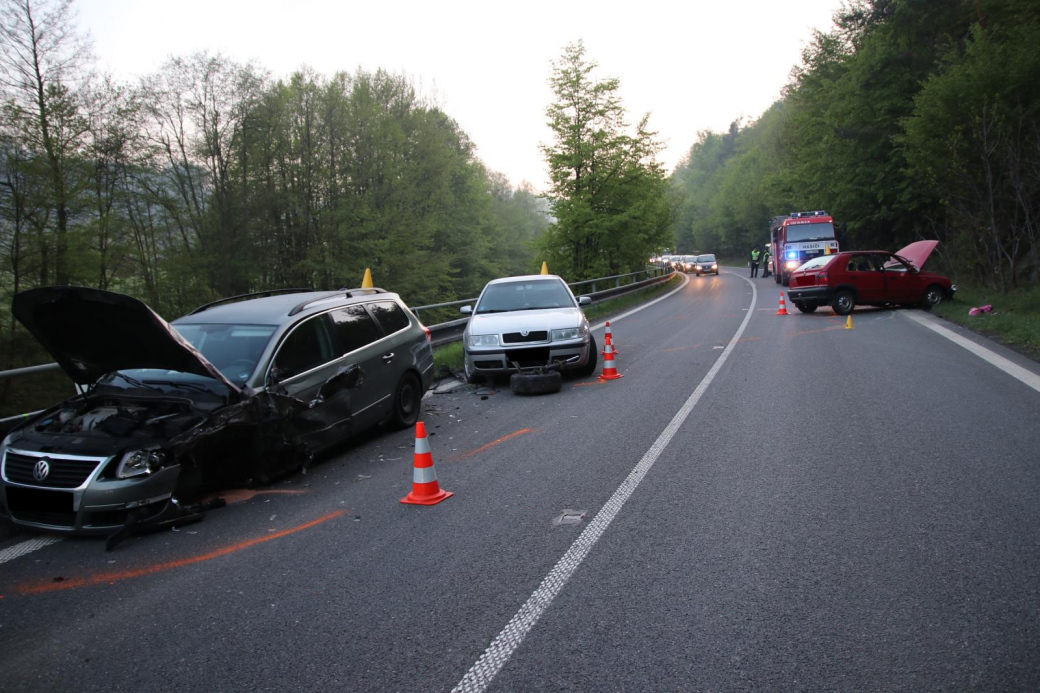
(239,495)
(594,382)
(492,444)
(112,578)
(692,346)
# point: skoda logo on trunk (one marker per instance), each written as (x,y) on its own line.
(41,469)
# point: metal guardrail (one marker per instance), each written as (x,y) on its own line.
(445,332)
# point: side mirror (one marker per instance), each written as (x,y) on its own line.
(584,301)
(466,310)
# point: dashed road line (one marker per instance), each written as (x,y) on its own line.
(481,674)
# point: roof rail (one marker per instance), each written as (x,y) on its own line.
(242,297)
(347,293)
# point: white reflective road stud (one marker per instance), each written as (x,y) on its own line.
(480,675)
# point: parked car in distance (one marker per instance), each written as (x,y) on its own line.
(531,320)
(705,264)
(238,392)
(873,277)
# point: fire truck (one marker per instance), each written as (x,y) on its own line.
(798,237)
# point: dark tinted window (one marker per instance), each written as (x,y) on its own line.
(389,315)
(307,347)
(355,327)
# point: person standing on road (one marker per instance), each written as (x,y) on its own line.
(754,262)
(765,262)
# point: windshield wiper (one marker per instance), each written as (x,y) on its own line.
(136,383)
(184,386)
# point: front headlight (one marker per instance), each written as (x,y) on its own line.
(792,264)
(140,463)
(480,340)
(569,333)
(714,266)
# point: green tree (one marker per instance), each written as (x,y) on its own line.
(608,196)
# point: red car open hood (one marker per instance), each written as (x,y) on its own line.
(918,252)
(91,333)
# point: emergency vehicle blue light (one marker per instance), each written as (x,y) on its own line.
(792,255)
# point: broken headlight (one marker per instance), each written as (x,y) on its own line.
(140,463)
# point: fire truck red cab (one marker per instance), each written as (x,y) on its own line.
(797,238)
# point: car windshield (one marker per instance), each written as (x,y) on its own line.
(525,295)
(233,349)
(810,232)
(706,258)
(817,262)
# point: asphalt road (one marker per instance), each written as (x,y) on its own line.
(766,502)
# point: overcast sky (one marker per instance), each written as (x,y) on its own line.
(692,65)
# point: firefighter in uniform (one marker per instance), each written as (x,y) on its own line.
(765,262)
(754,261)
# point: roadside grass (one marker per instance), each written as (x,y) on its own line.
(450,355)
(1015,320)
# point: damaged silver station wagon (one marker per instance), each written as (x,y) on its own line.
(240,391)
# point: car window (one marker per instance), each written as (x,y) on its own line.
(817,262)
(706,258)
(355,328)
(308,346)
(233,349)
(893,264)
(525,295)
(861,263)
(389,315)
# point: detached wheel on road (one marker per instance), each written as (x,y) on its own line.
(590,367)
(933,296)
(843,302)
(535,383)
(407,401)
(805,307)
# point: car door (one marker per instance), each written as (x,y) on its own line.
(363,343)
(303,362)
(901,281)
(867,277)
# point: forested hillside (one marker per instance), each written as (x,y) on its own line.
(210,178)
(910,119)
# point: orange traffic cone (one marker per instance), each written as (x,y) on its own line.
(783,306)
(425,489)
(608,341)
(609,372)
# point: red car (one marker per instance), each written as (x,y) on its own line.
(869,277)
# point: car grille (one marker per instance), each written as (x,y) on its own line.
(518,338)
(41,507)
(65,471)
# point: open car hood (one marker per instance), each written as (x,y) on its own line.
(918,252)
(91,333)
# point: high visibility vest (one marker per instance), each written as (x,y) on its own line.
(754,255)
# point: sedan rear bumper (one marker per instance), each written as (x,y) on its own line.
(811,295)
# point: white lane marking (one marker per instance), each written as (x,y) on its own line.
(1013,369)
(480,675)
(686,280)
(13,552)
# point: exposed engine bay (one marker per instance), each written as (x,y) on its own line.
(123,418)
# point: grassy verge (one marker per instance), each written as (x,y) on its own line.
(450,355)
(1015,320)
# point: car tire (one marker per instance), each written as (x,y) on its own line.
(407,401)
(843,302)
(805,307)
(590,366)
(535,383)
(933,296)
(785,280)
(471,377)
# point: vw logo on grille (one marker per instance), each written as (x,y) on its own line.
(524,333)
(41,469)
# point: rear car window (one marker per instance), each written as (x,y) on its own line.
(817,262)
(355,328)
(389,315)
